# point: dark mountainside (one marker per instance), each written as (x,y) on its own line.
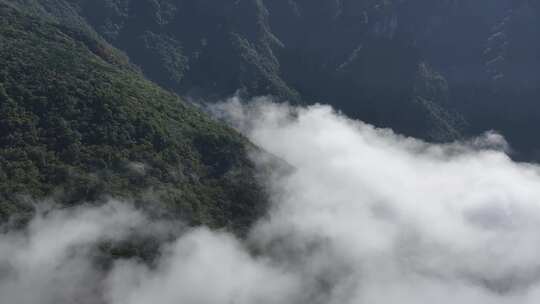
(79,120)
(117,187)
(435,69)
(79,123)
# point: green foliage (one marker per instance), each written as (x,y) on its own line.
(78,123)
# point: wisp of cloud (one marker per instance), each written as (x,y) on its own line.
(369,216)
(362,215)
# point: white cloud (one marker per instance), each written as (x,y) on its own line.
(202,267)
(49,262)
(365,216)
(405,219)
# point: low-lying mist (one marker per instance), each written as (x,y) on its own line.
(363,216)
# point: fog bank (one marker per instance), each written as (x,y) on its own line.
(363,216)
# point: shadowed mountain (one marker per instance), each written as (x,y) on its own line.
(77,111)
(438,69)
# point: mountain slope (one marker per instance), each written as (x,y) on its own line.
(435,69)
(78,123)
(206,48)
(299,51)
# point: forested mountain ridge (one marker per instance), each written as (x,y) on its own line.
(79,123)
(436,69)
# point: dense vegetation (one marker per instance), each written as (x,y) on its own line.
(78,122)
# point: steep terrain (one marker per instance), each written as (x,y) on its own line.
(436,69)
(79,120)
(488,51)
(79,123)
(205,48)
